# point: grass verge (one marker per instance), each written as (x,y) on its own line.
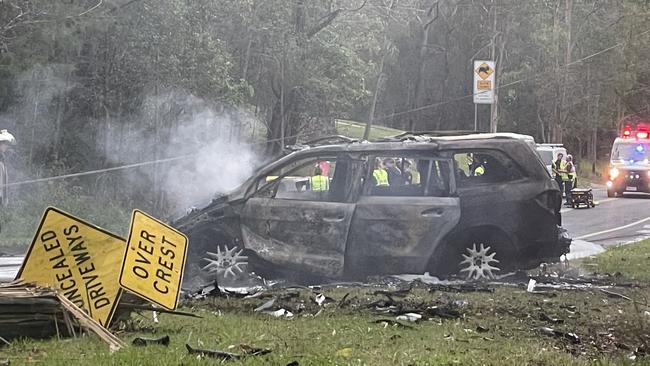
(504,327)
(631,260)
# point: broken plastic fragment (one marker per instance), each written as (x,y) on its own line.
(411,317)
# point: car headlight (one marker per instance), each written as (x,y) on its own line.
(613,173)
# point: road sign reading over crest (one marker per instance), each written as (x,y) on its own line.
(154,260)
(484,82)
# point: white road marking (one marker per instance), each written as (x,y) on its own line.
(645,232)
(646,226)
(613,229)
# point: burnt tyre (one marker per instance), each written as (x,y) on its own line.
(214,256)
(474,257)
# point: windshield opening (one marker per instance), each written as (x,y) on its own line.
(631,152)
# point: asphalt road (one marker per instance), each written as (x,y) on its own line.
(613,221)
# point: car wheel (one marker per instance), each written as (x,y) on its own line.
(479,262)
(226,262)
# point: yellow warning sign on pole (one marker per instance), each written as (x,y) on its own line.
(79,259)
(154,260)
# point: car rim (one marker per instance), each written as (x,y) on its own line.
(229,262)
(479,263)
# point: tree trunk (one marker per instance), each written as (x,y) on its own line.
(556,127)
(381,77)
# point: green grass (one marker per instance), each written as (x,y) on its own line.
(348,337)
(632,261)
(355,130)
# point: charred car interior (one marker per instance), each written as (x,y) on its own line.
(473,206)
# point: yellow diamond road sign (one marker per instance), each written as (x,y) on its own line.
(154,260)
(484,71)
(78,258)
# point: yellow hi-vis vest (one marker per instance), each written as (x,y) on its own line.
(381,177)
(319,183)
(479,170)
(562,172)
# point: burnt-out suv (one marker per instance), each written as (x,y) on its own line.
(474,205)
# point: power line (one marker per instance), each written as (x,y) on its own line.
(539,75)
(130,166)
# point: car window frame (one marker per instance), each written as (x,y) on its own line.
(256,188)
(500,154)
(408,154)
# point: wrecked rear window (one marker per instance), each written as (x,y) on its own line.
(408,176)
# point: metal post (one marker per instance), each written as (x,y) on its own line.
(475,117)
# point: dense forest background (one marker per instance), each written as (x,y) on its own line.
(219,86)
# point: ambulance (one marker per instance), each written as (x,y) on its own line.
(629,170)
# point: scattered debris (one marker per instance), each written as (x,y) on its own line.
(253,351)
(546,318)
(411,317)
(266,306)
(482,329)
(246,350)
(392,323)
(222,355)
(141,342)
(571,337)
(280,313)
(344,301)
(461,287)
(37,312)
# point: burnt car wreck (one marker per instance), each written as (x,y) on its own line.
(472,206)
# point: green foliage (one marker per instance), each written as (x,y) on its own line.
(75,77)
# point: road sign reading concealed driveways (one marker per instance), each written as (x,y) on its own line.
(154,260)
(80,259)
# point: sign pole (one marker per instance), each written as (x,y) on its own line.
(484,91)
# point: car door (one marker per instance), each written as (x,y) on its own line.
(395,229)
(290,226)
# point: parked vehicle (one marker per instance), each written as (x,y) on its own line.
(548,153)
(451,220)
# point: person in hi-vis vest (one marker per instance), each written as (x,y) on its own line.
(318,182)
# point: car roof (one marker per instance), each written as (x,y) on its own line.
(421,143)
(631,140)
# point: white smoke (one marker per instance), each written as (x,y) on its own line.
(218,142)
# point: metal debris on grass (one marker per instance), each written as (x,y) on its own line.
(141,342)
(571,337)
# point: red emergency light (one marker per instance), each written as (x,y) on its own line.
(627,131)
(642,135)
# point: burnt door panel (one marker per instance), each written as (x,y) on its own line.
(308,236)
(391,235)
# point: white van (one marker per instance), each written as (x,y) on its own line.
(548,153)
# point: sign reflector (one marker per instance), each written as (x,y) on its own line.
(154,260)
(81,260)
